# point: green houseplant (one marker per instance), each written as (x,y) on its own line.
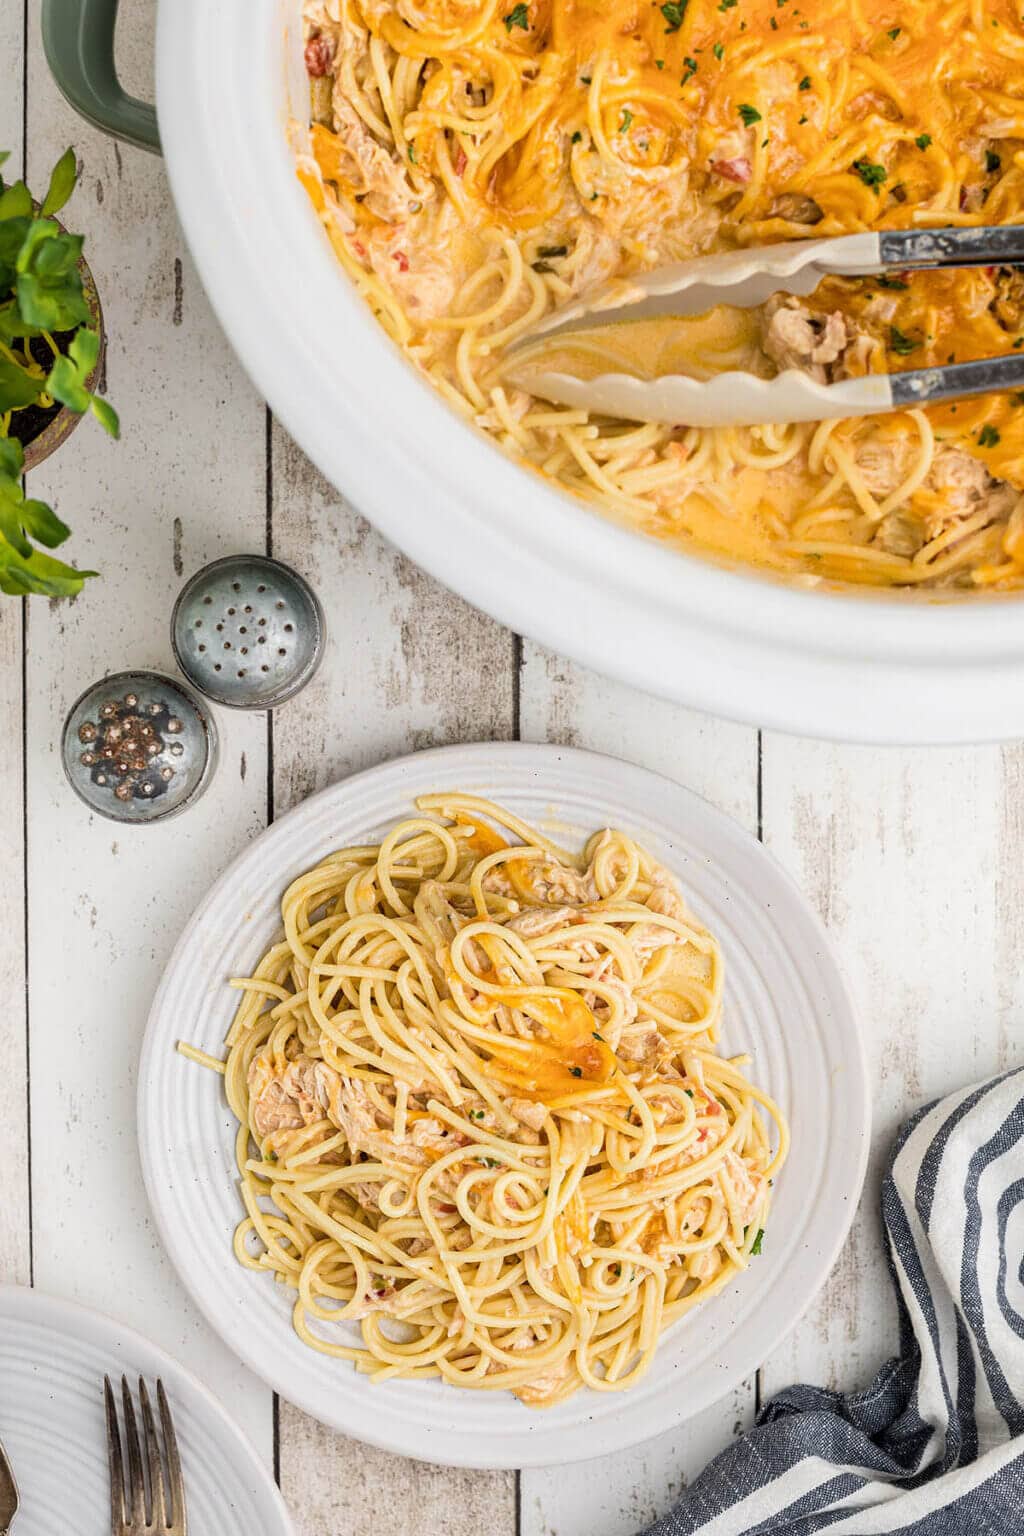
(50,342)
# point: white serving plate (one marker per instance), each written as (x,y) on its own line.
(53,1358)
(854,667)
(785,1001)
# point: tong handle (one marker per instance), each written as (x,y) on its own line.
(919,386)
(987,245)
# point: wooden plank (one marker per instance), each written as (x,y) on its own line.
(913,860)
(15,1245)
(408,666)
(566,703)
(106,902)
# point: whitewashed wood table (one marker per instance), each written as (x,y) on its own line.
(915,859)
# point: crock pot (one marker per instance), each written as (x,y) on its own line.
(856,666)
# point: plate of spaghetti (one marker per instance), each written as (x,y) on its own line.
(531,1082)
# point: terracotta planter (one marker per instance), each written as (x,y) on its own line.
(61,425)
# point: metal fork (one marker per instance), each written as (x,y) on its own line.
(132,1513)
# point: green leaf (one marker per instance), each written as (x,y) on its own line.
(84,351)
(106,416)
(17,387)
(12,459)
(12,238)
(49,285)
(65,384)
(16,202)
(62,183)
(43,524)
(755,1247)
(518,16)
(749,114)
(12,326)
(38,573)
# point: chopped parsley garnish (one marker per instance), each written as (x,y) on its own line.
(627,118)
(988,436)
(596,1035)
(755,1247)
(412,153)
(805,83)
(476,1114)
(726,5)
(659,63)
(802,120)
(749,114)
(576,1071)
(899,343)
(992,161)
(691,69)
(490,1162)
(871,174)
(718,50)
(673,12)
(577,136)
(517,17)
(891,282)
(923,140)
(894,32)
(548,251)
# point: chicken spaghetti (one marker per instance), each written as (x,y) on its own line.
(481,1110)
(477,163)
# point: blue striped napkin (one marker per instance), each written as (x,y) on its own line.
(931,1447)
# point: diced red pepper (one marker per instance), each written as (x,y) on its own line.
(319,56)
(738,169)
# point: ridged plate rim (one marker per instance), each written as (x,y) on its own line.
(53,1357)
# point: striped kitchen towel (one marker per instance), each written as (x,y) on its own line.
(934,1446)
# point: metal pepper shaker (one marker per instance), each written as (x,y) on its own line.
(139,746)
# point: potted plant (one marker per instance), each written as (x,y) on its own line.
(51,344)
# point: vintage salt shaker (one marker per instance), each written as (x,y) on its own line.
(248,631)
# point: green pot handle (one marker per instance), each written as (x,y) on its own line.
(78,36)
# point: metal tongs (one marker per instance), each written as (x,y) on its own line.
(745,279)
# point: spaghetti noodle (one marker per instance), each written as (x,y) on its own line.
(481,1113)
(478,162)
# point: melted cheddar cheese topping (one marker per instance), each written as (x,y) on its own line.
(479,164)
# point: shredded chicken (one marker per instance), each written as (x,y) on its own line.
(640,1043)
(377,175)
(299,1096)
(795,338)
(749,1191)
(544,1388)
(531,1112)
(559,885)
(958,487)
(535,923)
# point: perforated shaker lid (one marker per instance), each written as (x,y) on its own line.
(139,746)
(248,631)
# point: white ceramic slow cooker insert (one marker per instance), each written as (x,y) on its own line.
(862,666)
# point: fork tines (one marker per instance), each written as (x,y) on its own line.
(150,1498)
